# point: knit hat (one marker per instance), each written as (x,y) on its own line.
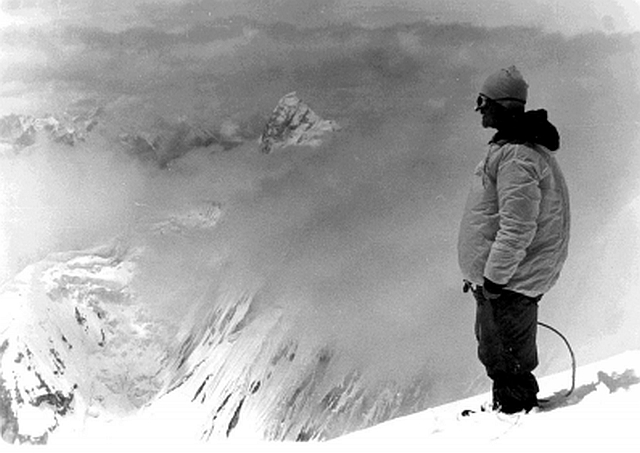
(506,85)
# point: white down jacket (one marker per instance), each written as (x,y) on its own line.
(515,226)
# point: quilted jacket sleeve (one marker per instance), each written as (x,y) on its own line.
(519,195)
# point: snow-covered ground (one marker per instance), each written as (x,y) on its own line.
(602,414)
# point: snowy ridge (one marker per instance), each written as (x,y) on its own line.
(602,413)
(78,350)
(196,216)
(250,375)
(74,344)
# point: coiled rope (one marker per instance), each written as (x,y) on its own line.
(573,357)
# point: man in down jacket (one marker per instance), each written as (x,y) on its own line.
(513,236)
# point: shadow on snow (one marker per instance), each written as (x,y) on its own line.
(613,382)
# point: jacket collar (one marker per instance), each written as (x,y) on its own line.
(532,128)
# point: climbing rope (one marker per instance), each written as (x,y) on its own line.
(573,357)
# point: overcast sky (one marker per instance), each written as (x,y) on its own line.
(363,230)
(569,16)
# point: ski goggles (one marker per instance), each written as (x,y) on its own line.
(483,101)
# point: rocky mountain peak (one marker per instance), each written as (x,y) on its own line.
(294,123)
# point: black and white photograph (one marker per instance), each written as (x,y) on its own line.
(325,225)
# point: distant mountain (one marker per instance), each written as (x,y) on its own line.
(20,131)
(160,144)
(294,123)
(167,141)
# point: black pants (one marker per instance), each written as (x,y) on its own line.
(506,330)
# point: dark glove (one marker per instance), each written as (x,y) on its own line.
(491,290)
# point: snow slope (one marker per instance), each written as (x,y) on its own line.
(602,414)
(80,352)
(73,344)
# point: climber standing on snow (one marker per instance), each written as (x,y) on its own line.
(513,236)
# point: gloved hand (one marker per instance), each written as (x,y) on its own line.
(491,290)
